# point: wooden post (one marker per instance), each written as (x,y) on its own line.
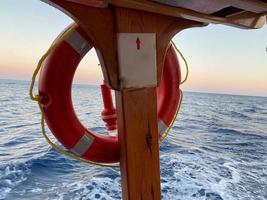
(138,138)
(136,107)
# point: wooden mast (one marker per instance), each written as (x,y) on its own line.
(137,109)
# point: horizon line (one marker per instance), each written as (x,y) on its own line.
(189,91)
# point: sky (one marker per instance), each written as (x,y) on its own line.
(221,59)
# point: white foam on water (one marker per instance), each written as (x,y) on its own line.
(96,188)
(11,176)
(194,177)
(4,191)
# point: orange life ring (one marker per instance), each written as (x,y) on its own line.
(55,83)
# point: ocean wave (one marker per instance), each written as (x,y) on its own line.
(239,115)
(251,110)
(226,131)
(11,176)
(234,132)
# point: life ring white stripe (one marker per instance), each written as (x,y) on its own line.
(83,144)
(78,43)
(162,127)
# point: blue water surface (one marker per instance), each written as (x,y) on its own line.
(216,150)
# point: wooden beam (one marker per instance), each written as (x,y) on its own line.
(203,6)
(137,108)
(254,15)
(138,138)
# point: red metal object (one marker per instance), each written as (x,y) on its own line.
(109,113)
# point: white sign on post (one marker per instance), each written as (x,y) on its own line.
(137,60)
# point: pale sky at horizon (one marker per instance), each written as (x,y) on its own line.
(222,59)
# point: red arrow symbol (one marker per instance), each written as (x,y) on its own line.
(138,43)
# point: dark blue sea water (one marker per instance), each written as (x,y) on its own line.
(217,150)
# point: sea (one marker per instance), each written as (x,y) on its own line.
(217,150)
